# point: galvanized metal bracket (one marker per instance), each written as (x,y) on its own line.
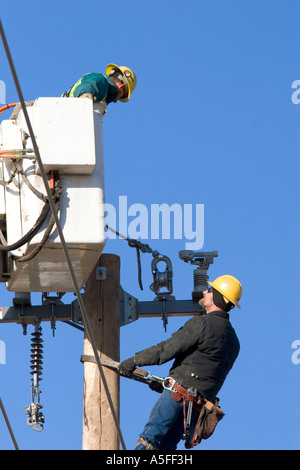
(128,308)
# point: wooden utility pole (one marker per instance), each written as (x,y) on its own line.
(102,300)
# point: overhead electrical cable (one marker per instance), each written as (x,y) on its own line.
(8,425)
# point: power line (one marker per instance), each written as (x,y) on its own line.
(59,229)
(8,425)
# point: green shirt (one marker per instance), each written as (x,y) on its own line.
(98,84)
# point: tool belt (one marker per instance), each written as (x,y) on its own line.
(182,392)
(207,421)
(209,415)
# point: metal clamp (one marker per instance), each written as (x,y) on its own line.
(35,419)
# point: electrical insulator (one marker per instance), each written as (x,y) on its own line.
(36,418)
(203,260)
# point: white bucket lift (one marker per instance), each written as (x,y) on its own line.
(68,132)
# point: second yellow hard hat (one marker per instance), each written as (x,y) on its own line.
(229,287)
(129,76)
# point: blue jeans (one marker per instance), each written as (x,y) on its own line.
(165,426)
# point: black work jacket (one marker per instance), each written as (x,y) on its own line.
(204,349)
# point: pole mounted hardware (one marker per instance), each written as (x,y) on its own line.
(203,260)
(162,280)
(48,299)
(101,273)
(36,418)
(52,300)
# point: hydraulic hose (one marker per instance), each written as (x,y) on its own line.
(38,248)
(7,106)
(55,187)
(29,235)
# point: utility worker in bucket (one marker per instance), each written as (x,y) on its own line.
(204,349)
(118,83)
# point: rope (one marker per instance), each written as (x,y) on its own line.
(59,229)
(139,246)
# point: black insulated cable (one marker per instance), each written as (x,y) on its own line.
(31,233)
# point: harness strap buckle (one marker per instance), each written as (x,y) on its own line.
(169,384)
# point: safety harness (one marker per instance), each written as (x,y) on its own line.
(209,412)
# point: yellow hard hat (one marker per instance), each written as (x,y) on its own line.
(229,287)
(129,76)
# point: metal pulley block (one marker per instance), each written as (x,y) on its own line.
(161,279)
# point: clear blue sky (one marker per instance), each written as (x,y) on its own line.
(211,122)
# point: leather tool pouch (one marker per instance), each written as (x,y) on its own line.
(208,419)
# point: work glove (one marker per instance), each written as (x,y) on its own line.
(88,95)
(156,386)
(127,366)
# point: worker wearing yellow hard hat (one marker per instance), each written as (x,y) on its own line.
(204,351)
(117,84)
(126,76)
(227,290)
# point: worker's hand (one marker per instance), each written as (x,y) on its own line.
(127,366)
(88,95)
(156,386)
